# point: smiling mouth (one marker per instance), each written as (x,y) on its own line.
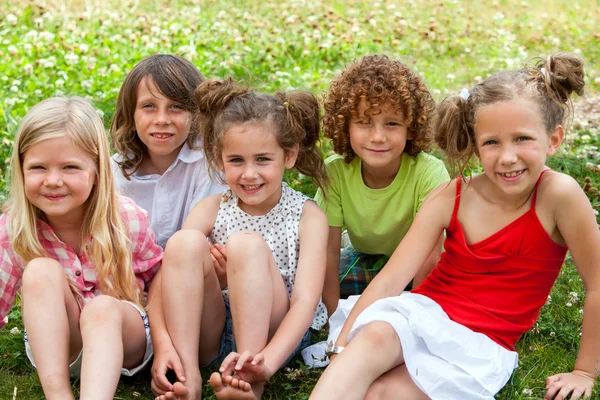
(251,188)
(377,151)
(54,197)
(511,174)
(161,135)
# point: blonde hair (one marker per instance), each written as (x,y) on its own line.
(104,237)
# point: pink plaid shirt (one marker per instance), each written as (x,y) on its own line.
(81,271)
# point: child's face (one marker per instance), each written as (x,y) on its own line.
(59,178)
(162,124)
(254,163)
(513,144)
(379,140)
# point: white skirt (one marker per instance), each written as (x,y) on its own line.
(446,360)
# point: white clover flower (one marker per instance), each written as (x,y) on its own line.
(527,392)
(15,331)
(12,50)
(10,101)
(71,58)
(450,77)
(114,68)
(16,82)
(59,93)
(83,47)
(552,334)
(48,36)
(549,300)
(37,92)
(28,69)
(86,84)
(581,311)
(100,112)
(14,89)
(12,19)
(59,82)
(569,304)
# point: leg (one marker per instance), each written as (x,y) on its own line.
(375,350)
(396,384)
(193,306)
(251,269)
(113,337)
(51,317)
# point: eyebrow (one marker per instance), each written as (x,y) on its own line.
(253,155)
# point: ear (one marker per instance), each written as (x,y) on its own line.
(556,138)
(291,156)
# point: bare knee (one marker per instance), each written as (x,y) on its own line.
(184,245)
(378,391)
(245,243)
(100,311)
(380,335)
(42,274)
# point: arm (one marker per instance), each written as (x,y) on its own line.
(307,290)
(430,263)
(331,290)
(203,215)
(576,223)
(411,254)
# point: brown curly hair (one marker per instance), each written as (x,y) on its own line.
(549,83)
(176,78)
(378,80)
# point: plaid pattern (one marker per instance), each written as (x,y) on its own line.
(81,271)
(357,270)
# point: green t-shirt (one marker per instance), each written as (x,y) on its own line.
(378,219)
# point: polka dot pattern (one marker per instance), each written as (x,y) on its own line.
(279,228)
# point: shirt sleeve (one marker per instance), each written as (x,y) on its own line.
(10,275)
(433,176)
(330,200)
(146,253)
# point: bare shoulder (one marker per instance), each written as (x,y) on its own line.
(204,214)
(311,211)
(558,188)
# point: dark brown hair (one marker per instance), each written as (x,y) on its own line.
(176,78)
(549,83)
(295,114)
(378,80)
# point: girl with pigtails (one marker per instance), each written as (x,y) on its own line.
(248,304)
(507,230)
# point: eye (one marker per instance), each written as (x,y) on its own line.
(490,142)
(263,159)
(148,105)
(178,107)
(236,160)
(523,138)
(393,123)
(38,167)
(71,166)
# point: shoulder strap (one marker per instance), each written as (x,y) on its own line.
(536,188)
(456,200)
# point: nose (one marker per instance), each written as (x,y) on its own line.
(376,134)
(162,117)
(508,155)
(250,171)
(53,178)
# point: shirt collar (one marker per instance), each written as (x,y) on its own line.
(188,155)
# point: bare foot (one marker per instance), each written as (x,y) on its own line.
(235,389)
(184,391)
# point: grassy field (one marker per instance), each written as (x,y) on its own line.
(85,47)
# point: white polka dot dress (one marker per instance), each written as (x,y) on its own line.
(279,228)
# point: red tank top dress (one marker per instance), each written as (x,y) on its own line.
(498,285)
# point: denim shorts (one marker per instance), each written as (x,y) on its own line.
(228,342)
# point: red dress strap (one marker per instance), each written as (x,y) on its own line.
(535,188)
(456,201)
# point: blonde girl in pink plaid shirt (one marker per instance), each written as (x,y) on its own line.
(80,255)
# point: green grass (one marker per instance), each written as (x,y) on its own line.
(60,47)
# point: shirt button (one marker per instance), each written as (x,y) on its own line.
(164,217)
(78,273)
(162,184)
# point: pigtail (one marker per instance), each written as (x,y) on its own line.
(455,134)
(557,77)
(212,98)
(302,118)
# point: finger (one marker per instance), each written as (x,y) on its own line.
(231,358)
(157,390)
(552,390)
(243,359)
(258,359)
(577,393)
(178,368)
(564,392)
(161,379)
(219,257)
(588,392)
(551,379)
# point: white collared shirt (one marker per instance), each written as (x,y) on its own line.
(168,198)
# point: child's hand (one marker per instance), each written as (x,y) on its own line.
(219,258)
(165,359)
(577,383)
(247,367)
